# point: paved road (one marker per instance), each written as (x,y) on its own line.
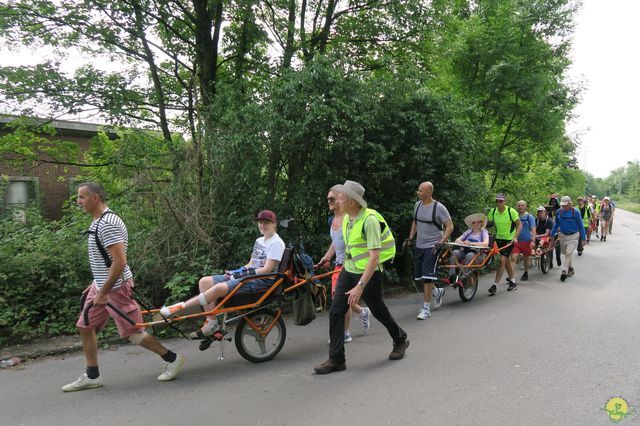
(548,353)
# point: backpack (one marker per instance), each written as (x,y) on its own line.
(433,216)
(492,213)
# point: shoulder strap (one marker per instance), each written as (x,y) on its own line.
(101,249)
(433,220)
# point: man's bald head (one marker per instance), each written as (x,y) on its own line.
(425,190)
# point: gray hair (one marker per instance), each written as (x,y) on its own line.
(95,188)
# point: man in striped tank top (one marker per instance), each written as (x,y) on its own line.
(113,284)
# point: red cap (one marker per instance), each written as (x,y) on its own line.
(267,215)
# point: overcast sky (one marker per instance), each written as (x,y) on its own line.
(605,54)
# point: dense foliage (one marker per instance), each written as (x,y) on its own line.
(243,104)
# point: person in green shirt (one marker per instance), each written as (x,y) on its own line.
(506,222)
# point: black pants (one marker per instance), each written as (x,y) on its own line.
(372,295)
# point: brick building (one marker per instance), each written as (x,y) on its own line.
(45,184)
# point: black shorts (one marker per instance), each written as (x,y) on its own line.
(502,243)
(424,264)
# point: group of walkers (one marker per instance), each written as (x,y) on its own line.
(361,242)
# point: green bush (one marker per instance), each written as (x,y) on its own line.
(43,270)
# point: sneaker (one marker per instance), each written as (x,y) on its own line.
(579,253)
(169,311)
(563,276)
(437,297)
(208,328)
(171,369)
(424,313)
(364,319)
(83,382)
(347,336)
(329,366)
(570,272)
(524,276)
(493,289)
(512,284)
(399,348)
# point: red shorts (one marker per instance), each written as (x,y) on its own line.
(334,279)
(523,247)
(99,314)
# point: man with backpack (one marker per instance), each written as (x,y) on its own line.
(111,288)
(506,222)
(570,229)
(432,227)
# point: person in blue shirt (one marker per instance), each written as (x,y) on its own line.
(569,229)
(526,239)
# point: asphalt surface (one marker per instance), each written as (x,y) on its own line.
(548,353)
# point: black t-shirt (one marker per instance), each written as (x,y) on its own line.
(543,225)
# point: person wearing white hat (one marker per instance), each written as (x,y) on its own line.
(368,244)
(432,226)
(570,229)
(476,236)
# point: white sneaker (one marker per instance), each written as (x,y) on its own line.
(83,382)
(171,369)
(169,311)
(364,319)
(424,313)
(438,295)
(347,336)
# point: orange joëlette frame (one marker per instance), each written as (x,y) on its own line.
(490,252)
(220,309)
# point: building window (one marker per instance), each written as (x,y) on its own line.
(20,192)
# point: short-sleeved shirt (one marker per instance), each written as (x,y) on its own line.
(273,248)
(111,230)
(428,234)
(479,237)
(543,225)
(503,222)
(372,232)
(528,222)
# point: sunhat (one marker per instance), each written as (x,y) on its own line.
(352,190)
(474,218)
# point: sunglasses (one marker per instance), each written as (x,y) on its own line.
(476,221)
(499,201)
(331,200)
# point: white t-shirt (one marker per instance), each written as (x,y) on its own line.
(273,248)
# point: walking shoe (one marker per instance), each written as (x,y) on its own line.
(570,272)
(563,276)
(512,285)
(437,297)
(524,276)
(579,253)
(171,369)
(83,382)
(169,311)
(364,319)
(424,313)
(399,348)
(493,289)
(329,366)
(209,327)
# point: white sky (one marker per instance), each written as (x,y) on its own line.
(605,53)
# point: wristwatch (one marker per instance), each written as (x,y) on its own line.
(362,284)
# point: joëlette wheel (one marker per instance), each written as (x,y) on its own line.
(256,344)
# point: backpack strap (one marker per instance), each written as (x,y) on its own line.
(101,249)
(433,216)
